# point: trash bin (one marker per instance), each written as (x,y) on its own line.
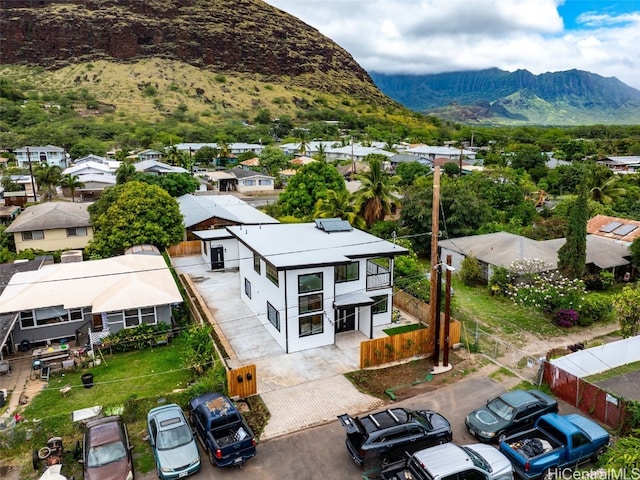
(87,380)
(3,398)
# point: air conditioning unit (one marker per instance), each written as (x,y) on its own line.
(71,256)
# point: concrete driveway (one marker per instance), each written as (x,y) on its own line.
(300,389)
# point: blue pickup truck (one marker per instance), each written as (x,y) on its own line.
(554,443)
(222,430)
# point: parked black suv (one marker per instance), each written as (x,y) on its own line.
(385,436)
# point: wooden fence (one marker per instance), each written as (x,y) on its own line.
(242,382)
(183,249)
(404,345)
(413,306)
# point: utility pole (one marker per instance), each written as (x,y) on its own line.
(447,313)
(434,293)
(33,182)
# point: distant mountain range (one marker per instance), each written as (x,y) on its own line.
(495,96)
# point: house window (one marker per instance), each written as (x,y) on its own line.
(272,273)
(137,316)
(311,282)
(347,273)
(311,325)
(33,235)
(27,319)
(309,303)
(249,183)
(264,182)
(273,315)
(247,288)
(76,314)
(380,304)
(378,273)
(256,262)
(77,232)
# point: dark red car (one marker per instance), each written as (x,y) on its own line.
(106,451)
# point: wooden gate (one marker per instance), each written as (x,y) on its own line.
(242,382)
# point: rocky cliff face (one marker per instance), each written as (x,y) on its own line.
(219,35)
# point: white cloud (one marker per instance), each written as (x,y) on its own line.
(433,36)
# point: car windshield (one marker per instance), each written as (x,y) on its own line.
(501,409)
(477,460)
(174,437)
(105,454)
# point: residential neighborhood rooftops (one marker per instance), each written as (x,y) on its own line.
(614,228)
(300,244)
(51,215)
(110,284)
(197,208)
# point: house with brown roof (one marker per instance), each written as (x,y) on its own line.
(621,230)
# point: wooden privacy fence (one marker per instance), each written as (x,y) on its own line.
(242,382)
(589,398)
(404,345)
(412,305)
(183,249)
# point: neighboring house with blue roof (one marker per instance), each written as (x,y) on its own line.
(309,282)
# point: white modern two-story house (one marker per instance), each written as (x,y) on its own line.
(309,282)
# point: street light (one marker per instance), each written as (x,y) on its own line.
(444,365)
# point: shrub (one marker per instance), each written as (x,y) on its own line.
(499,282)
(566,318)
(470,271)
(598,281)
(550,292)
(594,309)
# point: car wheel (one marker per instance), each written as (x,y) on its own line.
(597,454)
(212,457)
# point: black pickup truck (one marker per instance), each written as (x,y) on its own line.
(385,436)
(221,429)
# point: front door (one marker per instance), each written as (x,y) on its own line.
(217,258)
(345,319)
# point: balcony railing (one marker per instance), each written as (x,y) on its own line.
(377,276)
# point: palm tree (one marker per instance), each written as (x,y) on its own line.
(377,192)
(48,177)
(321,153)
(342,205)
(173,155)
(72,182)
(603,186)
(125,172)
(304,143)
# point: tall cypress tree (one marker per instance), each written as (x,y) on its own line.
(572,256)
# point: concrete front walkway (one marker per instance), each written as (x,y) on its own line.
(300,389)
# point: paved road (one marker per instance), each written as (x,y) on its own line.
(319,453)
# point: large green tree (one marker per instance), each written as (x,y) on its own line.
(176,184)
(273,159)
(572,256)
(342,205)
(308,186)
(131,214)
(377,192)
(625,305)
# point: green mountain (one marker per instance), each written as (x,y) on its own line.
(494,96)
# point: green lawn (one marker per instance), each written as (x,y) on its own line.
(403,329)
(145,373)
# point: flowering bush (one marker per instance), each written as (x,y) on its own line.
(566,318)
(548,291)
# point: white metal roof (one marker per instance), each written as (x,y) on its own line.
(110,284)
(300,244)
(198,208)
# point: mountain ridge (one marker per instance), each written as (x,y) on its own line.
(496,96)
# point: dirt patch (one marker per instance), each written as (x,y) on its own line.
(405,380)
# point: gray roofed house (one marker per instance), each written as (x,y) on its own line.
(501,249)
(157,168)
(52,226)
(251,181)
(204,212)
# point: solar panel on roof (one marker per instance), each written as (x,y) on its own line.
(610,227)
(625,229)
(333,225)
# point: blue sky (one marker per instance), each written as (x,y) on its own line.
(433,36)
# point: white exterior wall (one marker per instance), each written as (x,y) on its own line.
(362,316)
(328,331)
(230,246)
(263,290)
(259,184)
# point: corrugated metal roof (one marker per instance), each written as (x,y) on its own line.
(198,208)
